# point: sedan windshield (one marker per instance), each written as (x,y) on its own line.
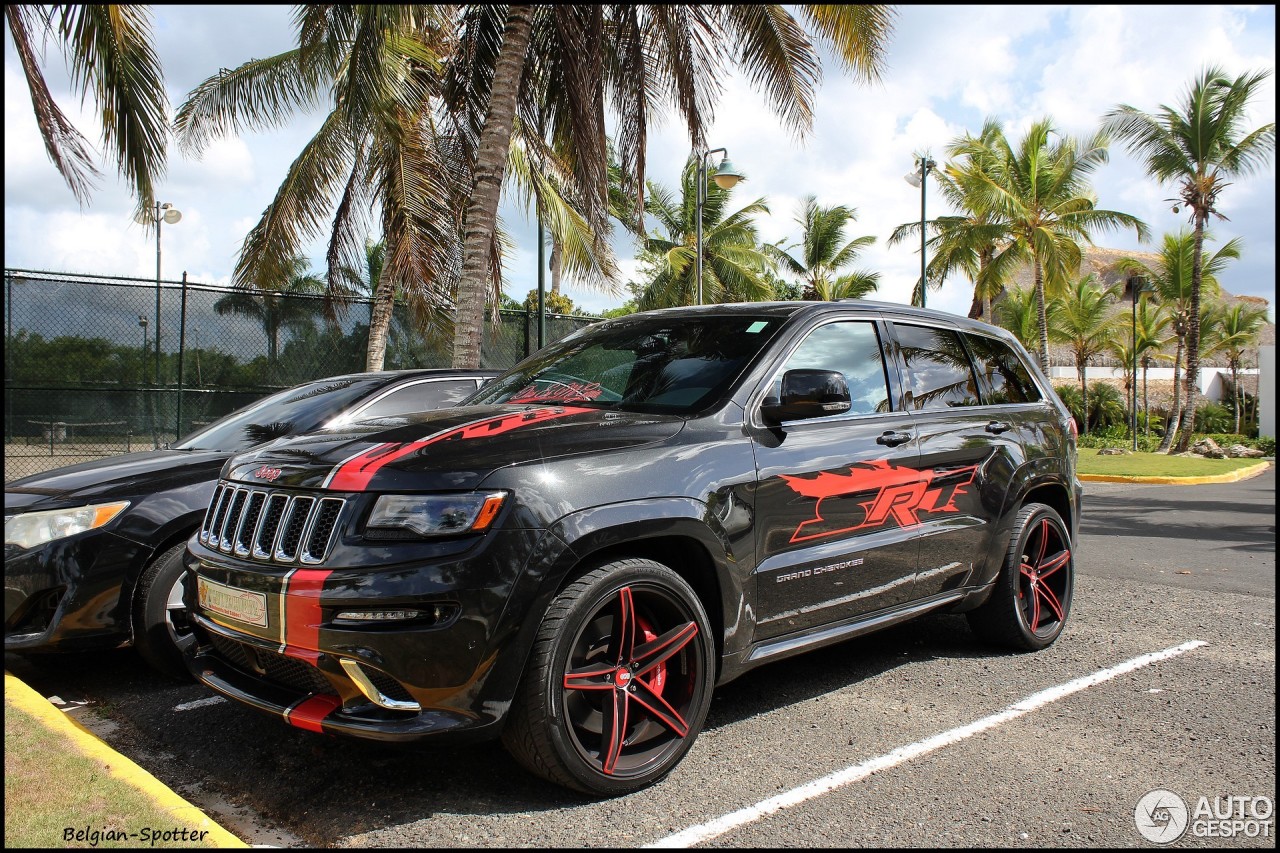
(295,410)
(663,364)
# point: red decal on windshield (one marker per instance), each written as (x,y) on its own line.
(354,474)
(566,391)
(901,493)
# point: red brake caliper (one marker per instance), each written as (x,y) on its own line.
(659,675)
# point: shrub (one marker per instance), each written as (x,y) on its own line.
(1213,418)
(1106,406)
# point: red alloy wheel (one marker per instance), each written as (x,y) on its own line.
(1044,582)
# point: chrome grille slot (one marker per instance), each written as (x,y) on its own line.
(249,524)
(271,526)
(213,510)
(295,525)
(220,517)
(232,525)
(265,541)
(323,524)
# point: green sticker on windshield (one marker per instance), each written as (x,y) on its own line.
(756,326)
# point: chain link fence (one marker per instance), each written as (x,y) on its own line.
(97,366)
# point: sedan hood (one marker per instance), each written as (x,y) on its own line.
(112,478)
(448,449)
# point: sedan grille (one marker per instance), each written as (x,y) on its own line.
(270,526)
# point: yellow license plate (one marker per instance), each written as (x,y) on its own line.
(238,604)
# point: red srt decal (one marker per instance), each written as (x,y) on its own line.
(900,493)
(354,474)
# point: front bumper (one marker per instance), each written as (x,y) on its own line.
(451,671)
(66,595)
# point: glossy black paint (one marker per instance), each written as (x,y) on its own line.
(707,494)
(83,585)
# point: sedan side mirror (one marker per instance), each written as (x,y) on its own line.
(808,394)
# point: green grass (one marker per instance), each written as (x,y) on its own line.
(1156,465)
(50,787)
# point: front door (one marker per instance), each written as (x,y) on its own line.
(836,495)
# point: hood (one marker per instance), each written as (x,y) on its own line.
(448,449)
(112,478)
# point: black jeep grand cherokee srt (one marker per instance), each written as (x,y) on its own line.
(652,506)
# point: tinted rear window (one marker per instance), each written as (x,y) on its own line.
(938,373)
(1005,377)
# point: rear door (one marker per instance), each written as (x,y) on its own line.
(964,477)
(832,516)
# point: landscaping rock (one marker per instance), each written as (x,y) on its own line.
(1206,447)
(1239,451)
(1112,451)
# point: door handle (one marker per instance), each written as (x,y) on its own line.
(893,439)
(997,427)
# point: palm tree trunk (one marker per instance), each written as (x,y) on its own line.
(482,209)
(1084,392)
(1192,379)
(1042,320)
(1146,411)
(1236,393)
(379,324)
(557,258)
(1175,412)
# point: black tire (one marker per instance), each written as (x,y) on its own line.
(1029,606)
(160,628)
(658,682)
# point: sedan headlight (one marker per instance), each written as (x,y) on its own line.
(424,516)
(29,529)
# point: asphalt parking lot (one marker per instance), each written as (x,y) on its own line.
(917,736)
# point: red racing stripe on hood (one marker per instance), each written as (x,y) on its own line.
(354,474)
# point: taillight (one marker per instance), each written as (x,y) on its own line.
(1075,431)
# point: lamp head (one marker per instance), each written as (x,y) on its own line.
(727,177)
(912,178)
(172,215)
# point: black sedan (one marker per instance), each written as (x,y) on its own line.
(93,551)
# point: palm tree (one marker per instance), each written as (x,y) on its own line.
(109,51)
(377,68)
(1085,324)
(1149,339)
(1236,329)
(288,307)
(967,243)
(1041,192)
(638,58)
(733,260)
(1019,313)
(1199,147)
(1172,278)
(822,254)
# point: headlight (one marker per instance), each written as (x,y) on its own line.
(422,516)
(30,529)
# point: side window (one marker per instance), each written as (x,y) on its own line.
(852,348)
(421,397)
(938,373)
(1002,370)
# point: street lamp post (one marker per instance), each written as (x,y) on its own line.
(726,177)
(163,213)
(917,179)
(142,321)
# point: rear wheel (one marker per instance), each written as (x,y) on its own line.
(618,683)
(161,627)
(1028,608)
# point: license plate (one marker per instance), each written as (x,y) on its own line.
(239,604)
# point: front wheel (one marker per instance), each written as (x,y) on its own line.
(618,683)
(161,626)
(1028,608)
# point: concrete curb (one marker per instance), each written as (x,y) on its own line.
(1229,477)
(31,702)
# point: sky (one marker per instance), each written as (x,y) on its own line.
(947,69)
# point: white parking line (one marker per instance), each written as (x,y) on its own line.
(199,703)
(818,787)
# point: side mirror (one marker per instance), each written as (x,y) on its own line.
(808,394)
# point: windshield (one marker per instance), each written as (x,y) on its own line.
(675,364)
(295,410)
